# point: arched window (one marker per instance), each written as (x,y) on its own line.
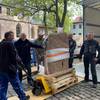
(32,32)
(8,11)
(18,29)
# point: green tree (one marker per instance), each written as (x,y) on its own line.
(52,12)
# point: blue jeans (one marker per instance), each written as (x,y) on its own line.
(4,79)
(33,56)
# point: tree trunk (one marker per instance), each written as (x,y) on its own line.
(57,16)
(64,13)
(60,23)
(44,19)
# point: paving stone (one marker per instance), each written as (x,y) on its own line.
(81,96)
(54,98)
(77,97)
(62,98)
(82,91)
(69,97)
(58,96)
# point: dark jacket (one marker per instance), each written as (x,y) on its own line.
(40,52)
(23,49)
(72,45)
(89,48)
(8,58)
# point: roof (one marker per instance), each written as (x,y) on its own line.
(78,19)
(91,3)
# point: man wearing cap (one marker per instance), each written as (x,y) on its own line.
(40,52)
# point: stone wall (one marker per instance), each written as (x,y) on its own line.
(7,25)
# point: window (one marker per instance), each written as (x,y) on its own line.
(80,33)
(18,29)
(74,33)
(80,26)
(8,11)
(0,9)
(74,26)
(32,32)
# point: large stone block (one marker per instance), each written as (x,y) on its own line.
(56,53)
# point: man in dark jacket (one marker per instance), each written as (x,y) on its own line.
(8,68)
(72,46)
(88,49)
(23,46)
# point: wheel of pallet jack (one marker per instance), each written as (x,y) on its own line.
(37,91)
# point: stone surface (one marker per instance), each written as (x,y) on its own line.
(82,91)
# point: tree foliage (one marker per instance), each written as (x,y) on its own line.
(52,12)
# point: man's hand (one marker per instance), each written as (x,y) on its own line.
(95,59)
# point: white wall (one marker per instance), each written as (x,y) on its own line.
(77,30)
(92,16)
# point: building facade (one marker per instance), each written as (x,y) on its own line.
(15,24)
(77,28)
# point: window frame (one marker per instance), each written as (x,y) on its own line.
(18,29)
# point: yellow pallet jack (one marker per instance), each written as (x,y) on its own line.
(45,86)
(39,84)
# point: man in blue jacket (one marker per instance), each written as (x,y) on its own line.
(8,68)
(23,46)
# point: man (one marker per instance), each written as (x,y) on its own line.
(88,49)
(40,52)
(72,46)
(8,68)
(23,46)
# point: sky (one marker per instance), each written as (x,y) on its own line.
(76,9)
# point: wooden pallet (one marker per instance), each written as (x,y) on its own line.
(64,87)
(62,80)
(61,85)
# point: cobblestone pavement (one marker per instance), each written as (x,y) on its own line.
(82,91)
(79,67)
